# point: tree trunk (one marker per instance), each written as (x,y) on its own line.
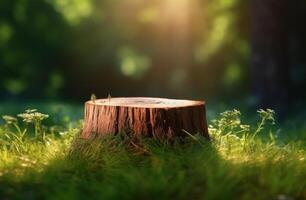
(270,70)
(151,117)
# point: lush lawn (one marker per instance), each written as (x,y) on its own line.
(240,162)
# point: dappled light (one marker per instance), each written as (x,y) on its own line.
(73,10)
(233,74)
(6,32)
(167,40)
(178,11)
(219,30)
(132,64)
(152,99)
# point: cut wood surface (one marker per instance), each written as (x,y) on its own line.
(140,116)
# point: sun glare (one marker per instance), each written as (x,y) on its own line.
(176,10)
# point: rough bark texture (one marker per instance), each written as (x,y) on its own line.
(141,117)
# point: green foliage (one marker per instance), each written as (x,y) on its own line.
(228,129)
(238,163)
(43,42)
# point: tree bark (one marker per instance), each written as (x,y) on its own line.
(150,117)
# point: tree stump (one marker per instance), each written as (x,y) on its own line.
(152,117)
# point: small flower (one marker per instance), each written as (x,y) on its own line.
(235,137)
(30,110)
(9,119)
(267,114)
(245,127)
(63,132)
(31,116)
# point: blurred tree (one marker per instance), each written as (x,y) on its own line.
(134,47)
(278,52)
(270,66)
(30,48)
(173,48)
(297,42)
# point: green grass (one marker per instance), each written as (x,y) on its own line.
(240,162)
